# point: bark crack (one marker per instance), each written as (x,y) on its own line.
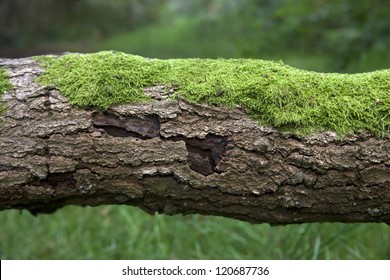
(146,127)
(204,154)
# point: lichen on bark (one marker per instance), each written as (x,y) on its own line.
(273,93)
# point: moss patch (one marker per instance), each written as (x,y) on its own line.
(4,86)
(4,83)
(272,92)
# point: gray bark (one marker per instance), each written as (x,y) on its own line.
(172,156)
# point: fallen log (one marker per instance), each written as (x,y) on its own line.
(175,156)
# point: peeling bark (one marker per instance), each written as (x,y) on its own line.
(171,156)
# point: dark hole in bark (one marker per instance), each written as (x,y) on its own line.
(204,154)
(144,128)
(120,132)
(56,180)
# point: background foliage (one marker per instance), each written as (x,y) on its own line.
(331,35)
(322,35)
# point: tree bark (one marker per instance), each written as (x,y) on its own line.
(171,156)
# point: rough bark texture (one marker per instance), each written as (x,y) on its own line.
(176,157)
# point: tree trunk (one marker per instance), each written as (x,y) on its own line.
(172,156)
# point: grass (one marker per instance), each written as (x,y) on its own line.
(120,232)
(273,93)
(162,41)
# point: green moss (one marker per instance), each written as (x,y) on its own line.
(4,86)
(4,83)
(272,92)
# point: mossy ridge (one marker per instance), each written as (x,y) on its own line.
(4,86)
(272,92)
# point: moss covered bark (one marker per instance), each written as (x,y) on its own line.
(273,93)
(4,83)
(4,86)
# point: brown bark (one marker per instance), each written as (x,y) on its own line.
(171,156)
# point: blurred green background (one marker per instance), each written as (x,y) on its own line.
(321,35)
